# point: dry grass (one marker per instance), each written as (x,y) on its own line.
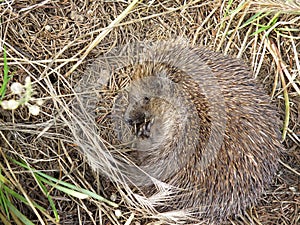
(53,42)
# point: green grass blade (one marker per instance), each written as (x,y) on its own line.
(264,28)
(6,78)
(274,19)
(269,26)
(256,16)
(228,8)
(3,198)
(81,190)
(21,198)
(65,190)
(3,203)
(70,186)
(20,216)
(52,205)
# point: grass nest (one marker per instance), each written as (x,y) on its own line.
(44,179)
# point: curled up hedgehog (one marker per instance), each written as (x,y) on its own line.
(187,133)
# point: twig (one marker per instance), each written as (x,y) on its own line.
(34,6)
(290,168)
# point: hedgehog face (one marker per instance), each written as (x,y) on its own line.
(138,116)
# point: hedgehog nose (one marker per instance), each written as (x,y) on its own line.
(134,118)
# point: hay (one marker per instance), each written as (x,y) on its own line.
(54,41)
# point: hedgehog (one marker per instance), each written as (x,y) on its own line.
(195,122)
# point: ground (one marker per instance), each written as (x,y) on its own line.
(53,42)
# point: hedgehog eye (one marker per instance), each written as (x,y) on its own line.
(146,100)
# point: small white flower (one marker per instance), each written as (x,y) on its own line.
(10,104)
(17,88)
(27,82)
(34,109)
(118,213)
(24,93)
